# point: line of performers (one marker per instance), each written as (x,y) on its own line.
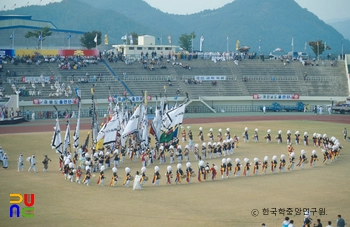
(101,160)
(205,171)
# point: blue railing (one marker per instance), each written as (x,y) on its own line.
(115,75)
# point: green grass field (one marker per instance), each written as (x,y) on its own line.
(213,203)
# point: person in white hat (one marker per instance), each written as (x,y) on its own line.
(87,176)
(279,137)
(219,135)
(32,162)
(297,137)
(306,139)
(115,177)
(302,159)
(245,133)
(204,151)
(256,136)
(71,171)
(196,151)
(282,163)
(179,174)
(313,158)
(228,135)
(291,161)
(223,167)
(246,167)
(169,175)
(202,175)
(210,135)
(189,171)
(5,161)
(156,176)
(127,177)
(274,164)
(200,134)
(256,166)
(101,179)
(20,163)
(265,164)
(229,167)
(238,167)
(144,177)
(78,175)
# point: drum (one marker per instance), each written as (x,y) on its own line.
(177,153)
(193,174)
(159,177)
(145,178)
(131,178)
(183,176)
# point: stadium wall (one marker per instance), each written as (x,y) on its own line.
(228,104)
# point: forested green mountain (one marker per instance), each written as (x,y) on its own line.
(276,22)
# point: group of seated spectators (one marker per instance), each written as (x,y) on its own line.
(192,81)
(185,66)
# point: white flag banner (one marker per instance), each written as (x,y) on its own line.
(174,117)
(77,130)
(66,140)
(144,127)
(157,124)
(111,129)
(57,139)
(132,125)
(95,39)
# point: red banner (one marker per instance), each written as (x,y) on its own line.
(93,52)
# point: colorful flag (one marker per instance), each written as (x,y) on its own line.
(12,36)
(106,39)
(40,37)
(95,39)
(292,41)
(237,44)
(69,36)
(124,37)
(167,137)
(227,39)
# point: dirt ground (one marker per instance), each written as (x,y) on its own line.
(213,203)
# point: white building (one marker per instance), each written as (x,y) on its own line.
(146,44)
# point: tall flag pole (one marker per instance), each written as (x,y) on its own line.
(201,43)
(227,44)
(66,139)
(342,49)
(260,44)
(77,127)
(12,37)
(68,37)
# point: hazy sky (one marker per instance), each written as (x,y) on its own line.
(324,9)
